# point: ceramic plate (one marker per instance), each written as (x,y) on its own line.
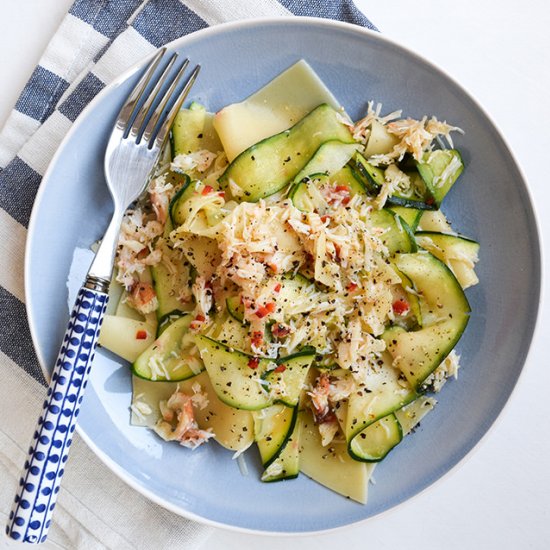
(490,203)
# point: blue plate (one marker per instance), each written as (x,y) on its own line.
(490,203)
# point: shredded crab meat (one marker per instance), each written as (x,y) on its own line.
(340,388)
(438,128)
(199,398)
(178,421)
(447,369)
(160,194)
(202,292)
(135,246)
(361,129)
(143,298)
(345,243)
(325,394)
(416,137)
(394,180)
(358,350)
(319,396)
(253,253)
(198,160)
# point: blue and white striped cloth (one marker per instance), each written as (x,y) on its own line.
(97,40)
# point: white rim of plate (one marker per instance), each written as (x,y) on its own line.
(198,35)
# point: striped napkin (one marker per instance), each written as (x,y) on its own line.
(96,42)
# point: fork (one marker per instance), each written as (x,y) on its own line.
(136,142)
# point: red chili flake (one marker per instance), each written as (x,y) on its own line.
(257,338)
(280,331)
(280,368)
(221,194)
(325,218)
(141,335)
(143,253)
(340,188)
(273,267)
(196,323)
(352,286)
(344,192)
(277,287)
(207,189)
(262,311)
(430,201)
(400,306)
(254,362)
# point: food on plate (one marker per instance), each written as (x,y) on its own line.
(289,280)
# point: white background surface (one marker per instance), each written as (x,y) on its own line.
(500,51)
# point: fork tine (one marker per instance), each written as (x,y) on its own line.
(125,114)
(155,117)
(151,96)
(169,119)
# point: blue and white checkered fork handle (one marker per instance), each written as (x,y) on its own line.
(31,515)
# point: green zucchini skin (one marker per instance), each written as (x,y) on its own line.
(448,245)
(372,178)
(166,320)
(433,166)
(233,380)
(178,199)
(239,384)
(424,178)
(418,353)
(331,157)
(273,163)
(410,215)
(166,286)
(235,308)
(271,443)
(459,253)
(193,130)
(385,396)
(166,349)
(345,176)
(399,236)
(375,442)
(414,354)
(293,377)
(469,245)
(288,457)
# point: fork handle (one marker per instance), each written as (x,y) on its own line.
(30,517)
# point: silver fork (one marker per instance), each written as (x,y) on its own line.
(134,147)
